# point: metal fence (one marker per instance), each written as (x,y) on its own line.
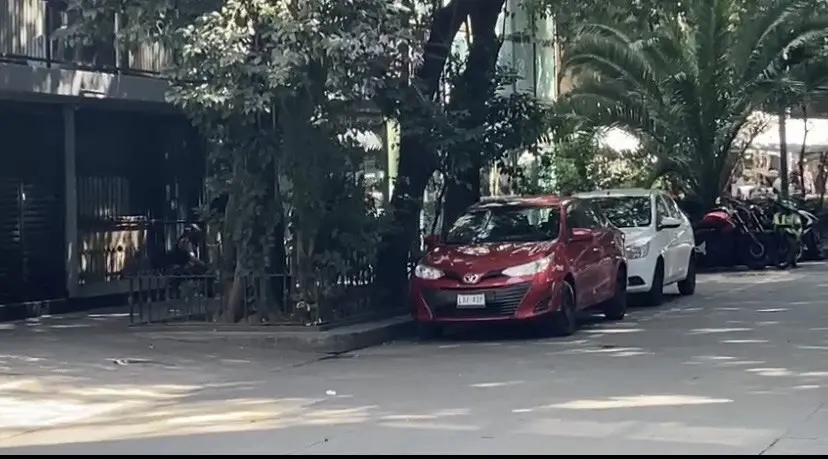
(271,299)
(264,299)
(206,298)
(125,247)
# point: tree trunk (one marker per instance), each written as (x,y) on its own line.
(783,155)
(472,92)
(461,192)
(417,161)
(233,307)
(822,178)
(801,160)
(391,275)
(438,205)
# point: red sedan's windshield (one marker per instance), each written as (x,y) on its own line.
(506,224)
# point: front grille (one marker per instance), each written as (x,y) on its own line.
(500,302)
(459,278)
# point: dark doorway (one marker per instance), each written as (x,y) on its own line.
(32,203)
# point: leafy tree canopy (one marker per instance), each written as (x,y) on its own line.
(688,88)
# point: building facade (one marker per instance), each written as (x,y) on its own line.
(90,155)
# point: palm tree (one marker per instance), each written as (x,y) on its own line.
(806,81)
(688,90)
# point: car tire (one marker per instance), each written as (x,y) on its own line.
(616,307)
(429,331)
(564,321)
(687,286)
(655,296)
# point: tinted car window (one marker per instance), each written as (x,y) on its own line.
(506,224)
(625,211)
(576,217)
(594,216)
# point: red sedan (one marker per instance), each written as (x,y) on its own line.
(537,259)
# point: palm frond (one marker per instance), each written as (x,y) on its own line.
(688,90)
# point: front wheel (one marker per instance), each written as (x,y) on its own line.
(564,321)
(687,286)
(655,296)
(616,307)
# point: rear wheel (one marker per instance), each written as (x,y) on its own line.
(616,307)
(655,296)
(687,286)
(563,322)
(815,246)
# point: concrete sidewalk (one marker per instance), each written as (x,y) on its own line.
(115,320)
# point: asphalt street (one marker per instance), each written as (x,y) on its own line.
(739,368)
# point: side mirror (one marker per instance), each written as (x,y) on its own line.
(669,222)
(431,241)
(581,235)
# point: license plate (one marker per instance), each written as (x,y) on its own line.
(477,300)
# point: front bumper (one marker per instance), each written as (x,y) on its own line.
(436,302)
(640,273)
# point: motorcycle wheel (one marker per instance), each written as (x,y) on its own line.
(755,255)
(814,247)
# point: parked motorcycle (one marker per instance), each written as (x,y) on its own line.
(179,260)
(731,235)
(811,241)
(811,248)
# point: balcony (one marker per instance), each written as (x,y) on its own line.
(33,59)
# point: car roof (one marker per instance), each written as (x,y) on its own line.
(540,200)
(618,192)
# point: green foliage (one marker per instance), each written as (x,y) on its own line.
(688,89)
(473,136)
(636,17)
(581,163)
(275,87)
(510,121)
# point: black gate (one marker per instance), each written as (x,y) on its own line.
(32,249)
(133,168)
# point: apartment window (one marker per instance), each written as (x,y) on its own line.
(100,53)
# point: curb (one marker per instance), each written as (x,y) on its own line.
(335,341)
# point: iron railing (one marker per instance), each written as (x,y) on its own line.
(29,36)
(205,298)
(126,247)
(271,299)
(266,299)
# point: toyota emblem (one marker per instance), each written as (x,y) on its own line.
(471,278)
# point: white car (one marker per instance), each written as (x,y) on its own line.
(658,236)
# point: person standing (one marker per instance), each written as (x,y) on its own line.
(787,225)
